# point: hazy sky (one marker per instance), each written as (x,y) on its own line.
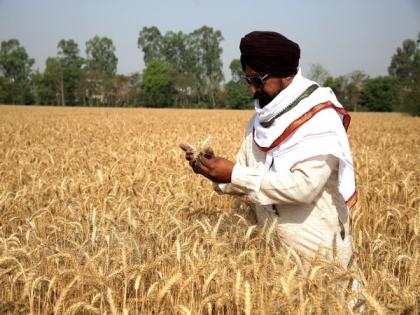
(341,35)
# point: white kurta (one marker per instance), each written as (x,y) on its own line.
(304,199)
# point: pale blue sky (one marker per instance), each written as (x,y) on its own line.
(341,35)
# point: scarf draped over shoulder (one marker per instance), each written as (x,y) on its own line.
(303,121)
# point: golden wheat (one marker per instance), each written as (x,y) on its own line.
(100,213)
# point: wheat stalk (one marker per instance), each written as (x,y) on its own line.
(89,204)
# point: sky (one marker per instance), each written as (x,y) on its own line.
(341,35)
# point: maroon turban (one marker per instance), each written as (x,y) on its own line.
(270,53)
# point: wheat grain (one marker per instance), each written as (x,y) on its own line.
(248,298)
(111,302)
(63,294)
(174,279)
(83,195)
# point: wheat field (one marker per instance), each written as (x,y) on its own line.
(100,214)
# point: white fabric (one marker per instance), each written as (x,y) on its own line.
(284,98)
(264,137)
(303,200)
(323,134)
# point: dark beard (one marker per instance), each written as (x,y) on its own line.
(263,99)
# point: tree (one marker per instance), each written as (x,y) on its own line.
(334,84)
(205,43)
(157,88)
(3,84)
(175,51)
(405,67)
(71,63)
(101,66)
(120,90)
(150,41)
(237,92)
(411,100)
(195,57)
(355,84)
(380,94)
(236,71)
(53,80)
(405,63)
(91,88)
(347,88)
(16,70)
(101,56)
(44,93)
(318,73)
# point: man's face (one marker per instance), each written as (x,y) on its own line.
(270,88)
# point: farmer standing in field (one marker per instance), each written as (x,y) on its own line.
(294,162)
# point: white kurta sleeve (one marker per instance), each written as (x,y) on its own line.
(299,185)
(229,188)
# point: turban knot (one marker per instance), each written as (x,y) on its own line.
(270,53)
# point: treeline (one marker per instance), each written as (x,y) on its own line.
(399,91)
(183,70)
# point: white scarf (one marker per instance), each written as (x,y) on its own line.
(313,127)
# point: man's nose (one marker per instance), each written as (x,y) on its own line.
(253,89)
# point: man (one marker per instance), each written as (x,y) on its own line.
(295,162)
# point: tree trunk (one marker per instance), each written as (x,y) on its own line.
(62,90)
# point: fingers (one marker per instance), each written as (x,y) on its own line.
(208,153)
(191,161)
(189,152)
(189,156)
(204,161)
(200,164)
(199,167)
(186,147)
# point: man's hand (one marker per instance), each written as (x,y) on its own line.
(217,169)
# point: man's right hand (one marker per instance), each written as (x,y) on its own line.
(206,163)
(189,153)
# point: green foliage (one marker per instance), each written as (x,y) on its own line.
(157,88)
(91,87)
(405,67)
(348,88)
(184,70)
(196,57)
(71,63)
(150,41)
(15,63)
(238,95)
(380,94)
(356,81)
(16,70)
(43,93)
(236,70)
(175,51)
(405,63)
(48,85)
(97,77)
(334,84)
(411,100)
(120,90)
(100,52)
(206,46)
(339,87)
(3,91)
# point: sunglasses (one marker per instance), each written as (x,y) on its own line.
(256,80)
